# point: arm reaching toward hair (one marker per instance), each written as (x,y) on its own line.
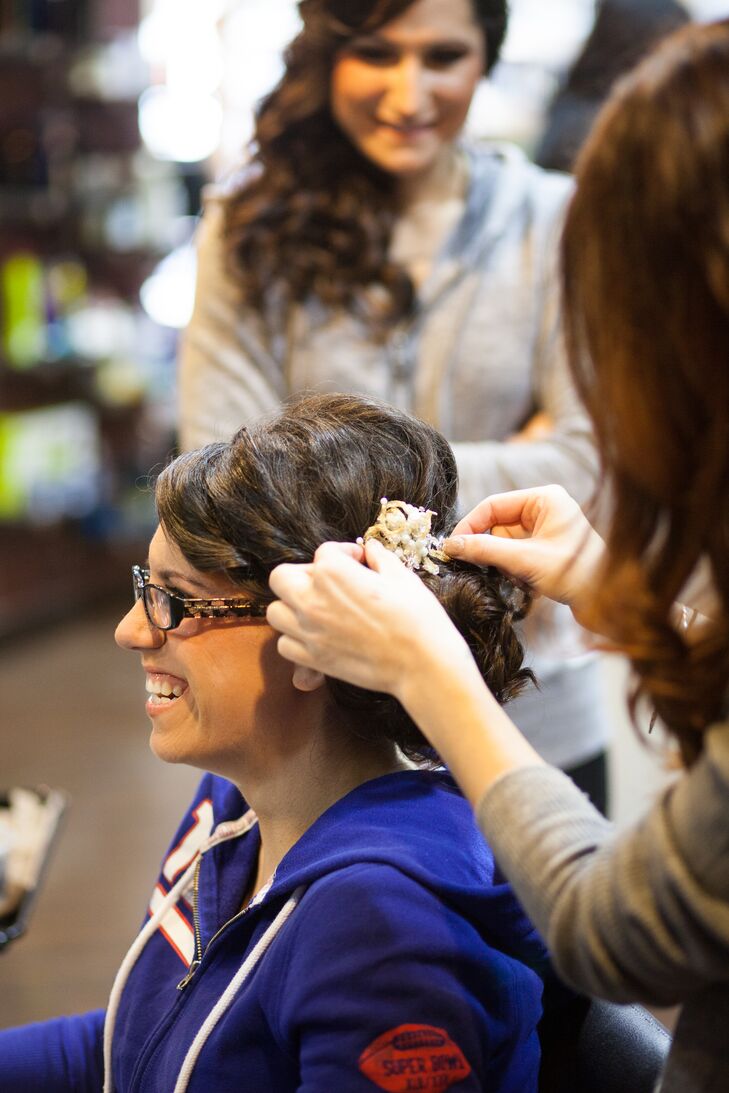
(637,916)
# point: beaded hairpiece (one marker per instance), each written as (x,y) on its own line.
(405,530)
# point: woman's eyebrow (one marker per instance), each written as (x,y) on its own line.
(375,39)
(172,577)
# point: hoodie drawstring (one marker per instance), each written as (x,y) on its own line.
(233,987)
(131,959)
(172,897)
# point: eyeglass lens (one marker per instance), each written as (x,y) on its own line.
(157,602)
(159,606)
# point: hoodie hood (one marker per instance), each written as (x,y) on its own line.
(380,822)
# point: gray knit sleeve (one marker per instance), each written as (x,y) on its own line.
(228,375)
(640,915)
(567,455)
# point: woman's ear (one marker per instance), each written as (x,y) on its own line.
(306,679)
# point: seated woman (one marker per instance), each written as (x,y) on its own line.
(327,917)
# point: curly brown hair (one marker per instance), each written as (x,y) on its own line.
(646,279)
(313,215)
(316,472)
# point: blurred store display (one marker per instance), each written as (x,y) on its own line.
(86,375)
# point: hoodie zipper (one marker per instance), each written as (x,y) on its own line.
(199,954)
(197,957)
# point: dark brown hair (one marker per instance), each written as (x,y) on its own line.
(646,279)
(314,216)
(316,472)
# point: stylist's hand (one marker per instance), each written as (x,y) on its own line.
(538,536)
(374,627)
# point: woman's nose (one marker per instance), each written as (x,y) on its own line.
(135,631)
(407,95)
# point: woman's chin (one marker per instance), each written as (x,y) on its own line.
(167,748)
(404,159)
(407,165)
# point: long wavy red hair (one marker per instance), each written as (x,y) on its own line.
(646,283)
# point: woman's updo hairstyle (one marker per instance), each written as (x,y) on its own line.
(316,472)
(313,216)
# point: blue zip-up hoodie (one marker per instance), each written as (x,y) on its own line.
(386,953)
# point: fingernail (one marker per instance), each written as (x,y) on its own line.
(454,546)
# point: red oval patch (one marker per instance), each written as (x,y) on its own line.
(414,1057)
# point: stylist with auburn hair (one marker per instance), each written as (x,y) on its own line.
(641,915)
(367,247)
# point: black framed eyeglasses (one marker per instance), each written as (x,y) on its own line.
(166,611)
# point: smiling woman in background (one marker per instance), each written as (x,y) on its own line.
(368,248)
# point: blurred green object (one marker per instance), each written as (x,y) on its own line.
(50,463)
(23,310)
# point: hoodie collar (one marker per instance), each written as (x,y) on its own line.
(414,821)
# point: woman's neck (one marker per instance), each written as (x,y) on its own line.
(431,210)
(446,180)
(297,789)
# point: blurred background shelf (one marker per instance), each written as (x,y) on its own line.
(55,573)
(86,376)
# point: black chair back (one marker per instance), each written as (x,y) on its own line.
(591,1046)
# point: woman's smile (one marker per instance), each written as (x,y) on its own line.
(407,130)
(164,690)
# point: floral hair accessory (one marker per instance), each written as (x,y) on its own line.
(405,530)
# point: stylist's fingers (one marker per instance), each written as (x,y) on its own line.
(283,618)
(381,560)
(506,509)
(295,651)
(290,581)
(513,556)
(520,513)
(331,551)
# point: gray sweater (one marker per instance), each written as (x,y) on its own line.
(637,916)
(482,353)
